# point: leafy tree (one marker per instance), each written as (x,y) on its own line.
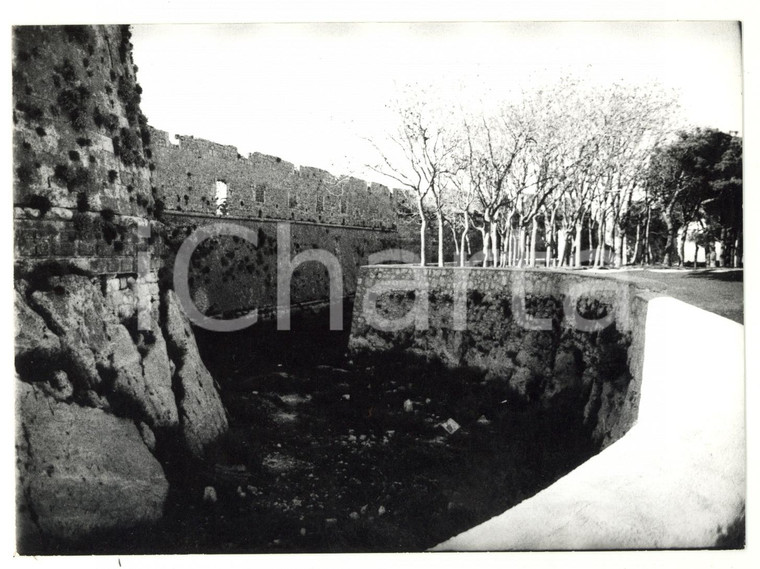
(698,176)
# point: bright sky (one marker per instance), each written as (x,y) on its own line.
(309,93)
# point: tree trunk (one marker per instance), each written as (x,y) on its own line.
(670,244)
(619,245)
(495,244)
(636,244)
(464,238)
(423,230)
(440,238)
(682,247)
(647,245)
(561,246)
(723,249)
(549,238)
(577,244)
(506,248)
(533,235)
(738,250)
(455,237)
(599,261)
(485,234)
(624,250)
(710,254)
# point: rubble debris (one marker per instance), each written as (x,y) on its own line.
(450,426)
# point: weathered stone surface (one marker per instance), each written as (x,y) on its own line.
(518,332)
(565,375)
(74,309)
(32,334)
(148,436)
(522,380)
(81,469)
(202,416)
(102,354)
(59,387)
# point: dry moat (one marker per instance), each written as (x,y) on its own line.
(323,455)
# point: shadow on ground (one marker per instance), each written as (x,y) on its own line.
(326,454)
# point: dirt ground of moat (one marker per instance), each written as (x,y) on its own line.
(329,454)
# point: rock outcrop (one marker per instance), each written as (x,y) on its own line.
(97,400)
(201,414)
(101,355)
(81,469)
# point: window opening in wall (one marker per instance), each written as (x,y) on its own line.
(221,199)
(343,206)
(292,200)
(259,193)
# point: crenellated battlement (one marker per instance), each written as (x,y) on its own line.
(189,170)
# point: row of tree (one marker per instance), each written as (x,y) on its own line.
(565,176)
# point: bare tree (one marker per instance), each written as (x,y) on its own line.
(458,206)
(420,154)
(494,147)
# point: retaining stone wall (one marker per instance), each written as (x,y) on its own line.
(596,367)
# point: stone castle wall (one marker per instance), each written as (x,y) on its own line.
(346,217)
(229,274)
(263,187)
(81,150)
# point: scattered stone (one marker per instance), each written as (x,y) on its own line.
(331,368)
(303,531)
(209,495)
(331,521)
(283,417)
(363,509)
(293,399)
(354,515)
(450,426)
(408,406)
(347,396)
(483,420)
(381,510)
